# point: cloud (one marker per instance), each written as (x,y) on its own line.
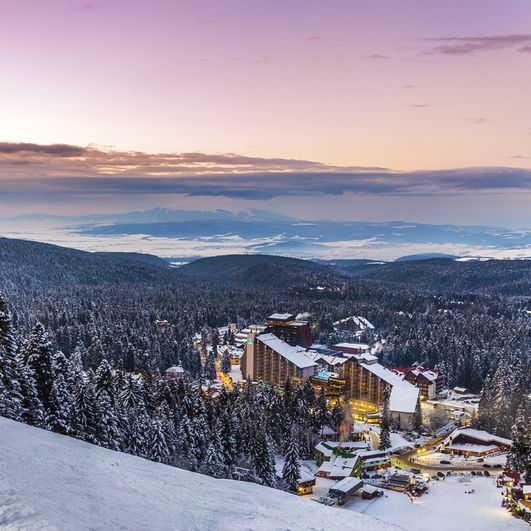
(377,57)
(525,49)
(477,121)
(422,105)
(60,150)
(59,170)
(469,45)
(313,38)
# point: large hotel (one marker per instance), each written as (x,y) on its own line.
(346,369)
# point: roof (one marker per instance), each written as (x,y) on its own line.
(281,316)
(479,435)
(175,369)
(304,476)
(359,346)
(527,489)
(339,467)
(370,489)
(347,485)
(403,394)
(465,447)
(327,447)
(295,355)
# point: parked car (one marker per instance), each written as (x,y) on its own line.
(440,474)
(480,460)
(445,462)
(415,470)
(485,465)
(486,473)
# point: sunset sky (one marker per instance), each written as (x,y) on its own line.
(360,110)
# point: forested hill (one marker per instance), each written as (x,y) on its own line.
(500,277)
(29,264)
(261,268)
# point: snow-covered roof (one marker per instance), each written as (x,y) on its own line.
(304,475)
(479,435)
(527,489)
(334,361)
(429,375)
(478,448)
(339,467)
(281,316)
(403,394)
(173,370)
(327,447)
(295,355)
(347,485)
(370,489)
(359,346)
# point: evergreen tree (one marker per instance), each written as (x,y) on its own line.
(385,420)
(291,471)
(38,353)
(158,447)
(10,392)
(417,416)
(84,413)
(519,457)
(32,410)
(214,465)
(264,458)
(225,363)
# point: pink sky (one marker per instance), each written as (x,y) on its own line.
(407,85)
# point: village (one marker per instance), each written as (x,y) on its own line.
(431,451)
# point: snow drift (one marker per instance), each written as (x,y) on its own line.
(49,481)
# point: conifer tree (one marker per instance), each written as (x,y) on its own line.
(32,410)
(417,416)
(213,465)
(385,420)
(519,457)
(291,471)
(264,458)
(38,353)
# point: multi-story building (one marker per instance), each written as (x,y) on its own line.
(430,382)
(357,376)
(293,331)
(272,360)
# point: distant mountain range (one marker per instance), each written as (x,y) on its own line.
(182,234)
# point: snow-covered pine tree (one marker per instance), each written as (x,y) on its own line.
(213,464)
(59,414)
(84,413)
(417,416)
(10,392)
(385,420)
(291,471)
(264,457)
(519,457)
(38,355)
(158,447)
(32,409)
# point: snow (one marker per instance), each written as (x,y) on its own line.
(478,448)
(527,489)
(446,505)
(295,355)
(281,316)
(52,482)
(479,435)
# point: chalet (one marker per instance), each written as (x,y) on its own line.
(471,442)
(305,483)
(174,373)
(326,450)
(526,490)
(370,491)
(399,481)
(339,467)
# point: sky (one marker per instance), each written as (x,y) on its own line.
(389,109)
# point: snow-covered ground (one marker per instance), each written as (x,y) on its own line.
(53,482)
(447,505)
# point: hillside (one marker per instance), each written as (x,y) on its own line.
(500,277)
(49,481)
(33,264)
(261,268)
